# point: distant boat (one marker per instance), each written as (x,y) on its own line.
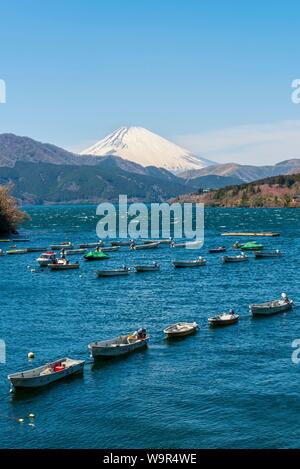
(251,233)
(20,240)
(91,245)
(193,263)
(110,249)
(187,244)
(46,374)
(64,245)
(240,258)
(113,272)
(265,254)
(96,256)
(181,329)
(119,345)
(122,243)
(17,251)
(161,241)
(224,319)
(272,307)
(36,249)
(47,258)
(147,268)
(60,265)
(144,246)
(69,252)
(217,250)
(251,246)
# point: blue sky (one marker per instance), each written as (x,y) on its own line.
(186,69)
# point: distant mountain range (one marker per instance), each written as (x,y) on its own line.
(245,173)
(45,173)
(147,149)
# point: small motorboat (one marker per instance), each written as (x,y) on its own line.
(91,245)
(110,249)
(113,273)
(63,264)
(251,246)
(96,256)
(193,263)
(5,240)
(145,246)
(272,307)
(187,244)
(59,247)
(36,249)
(147,268)
(119,345)
(122,243)
(217,250)
(241,258)
(17,251)
(266,254)
(46,374)
(47,258)
(181,329)
(224,319)
(20,240)
(161,241)
(69,252)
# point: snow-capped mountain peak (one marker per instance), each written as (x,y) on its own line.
(146,148)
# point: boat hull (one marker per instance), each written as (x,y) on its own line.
(146,268)
(117,350)
(260,310)
(139,247)
(215,322)
(234,259)
(182,264)
(171,332)
(40,381)
(63,266)
(111,273)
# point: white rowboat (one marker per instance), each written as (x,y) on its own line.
(240,258)
(118,346)
(46,374)
(271,307)
(181,329)
(145,246)
(147,268)
(112,273)
(224,319)
(194,263)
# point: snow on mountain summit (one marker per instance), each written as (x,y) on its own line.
(146,148)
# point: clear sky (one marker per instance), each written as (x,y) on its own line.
(189,70)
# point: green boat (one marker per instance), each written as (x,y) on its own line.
(96,256)
(251,246)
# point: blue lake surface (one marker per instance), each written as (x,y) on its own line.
(233,387)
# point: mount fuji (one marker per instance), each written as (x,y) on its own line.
(146,148)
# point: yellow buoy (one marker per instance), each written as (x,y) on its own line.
(31,416)
(20,420)
(30,355)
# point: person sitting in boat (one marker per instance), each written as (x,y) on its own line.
(98,249)
(141,333)
(284,298)
(63,254)
(231,312)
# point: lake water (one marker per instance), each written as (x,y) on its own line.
(234,387)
